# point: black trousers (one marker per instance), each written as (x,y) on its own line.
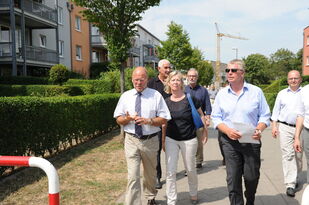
(159,170)
(242,160)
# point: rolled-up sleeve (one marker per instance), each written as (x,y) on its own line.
(264,112)
(216,114)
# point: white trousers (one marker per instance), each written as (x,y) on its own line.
(291,161)
(188,150)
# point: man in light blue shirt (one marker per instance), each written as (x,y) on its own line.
(245,104)
(283,126)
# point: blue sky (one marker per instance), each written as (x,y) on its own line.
(268,24)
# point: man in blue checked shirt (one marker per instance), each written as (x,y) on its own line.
(240,102)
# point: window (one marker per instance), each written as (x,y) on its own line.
(61,48)
(95,30)
(60,15)
(4,34)
(78,53)
(42,41)
(307,60)
(307,40)
(77,23)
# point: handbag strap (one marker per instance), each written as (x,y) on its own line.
(190,101)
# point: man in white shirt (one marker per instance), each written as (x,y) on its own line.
(283,126)
(141,111)
(302,121)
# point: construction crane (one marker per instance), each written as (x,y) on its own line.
(219,35)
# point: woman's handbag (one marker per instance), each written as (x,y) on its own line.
(195,115)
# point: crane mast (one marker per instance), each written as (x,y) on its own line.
(219,35)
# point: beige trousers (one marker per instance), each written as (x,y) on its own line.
(138,151)
(291,161)
(199,151)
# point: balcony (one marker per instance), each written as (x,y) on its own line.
(41,54)
(5,49)
(98,41)
(40,10)
(35,54)
(151,59)
(134,52)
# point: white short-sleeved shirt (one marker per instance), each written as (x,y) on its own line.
(284,109)
(152,105)
(303,105)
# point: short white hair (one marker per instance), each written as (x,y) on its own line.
(161,62)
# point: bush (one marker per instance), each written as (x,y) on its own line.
(41,125)
(23,80)
(97,68)
(59,74)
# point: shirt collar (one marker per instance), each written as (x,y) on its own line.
(135,91)
(244,88)
(290,90)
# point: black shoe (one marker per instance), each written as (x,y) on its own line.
(186,174)
(223,162)
(159,184)
(199,166)
(152,202)
(290,192)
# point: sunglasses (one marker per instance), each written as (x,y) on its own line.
(234,70)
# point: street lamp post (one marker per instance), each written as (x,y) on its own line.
(236,49)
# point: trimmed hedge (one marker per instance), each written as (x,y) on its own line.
(23,80)
(45,90)
(35,125)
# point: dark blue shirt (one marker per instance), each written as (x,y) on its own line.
(201,94)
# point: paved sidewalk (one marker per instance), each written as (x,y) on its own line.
(212,183)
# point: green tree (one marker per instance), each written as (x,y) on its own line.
(177,48)
(257,69)
(282,61)
(116,20)
(299,60)
(205,72)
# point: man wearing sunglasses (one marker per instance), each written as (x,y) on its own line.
(241,103)
(283,126)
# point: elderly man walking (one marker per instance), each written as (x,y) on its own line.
(157,83)
(283,126)
(241,108)
(141,111)
(302,125)
(201,94)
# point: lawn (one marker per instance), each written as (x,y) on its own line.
(90,173)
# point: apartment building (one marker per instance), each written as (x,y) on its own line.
(80,41)
(142,53)
(37,34)
(306,52)
(28,32)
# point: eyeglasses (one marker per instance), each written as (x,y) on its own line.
(192,76)
(234,70)
(293,78)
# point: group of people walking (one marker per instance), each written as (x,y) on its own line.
(162,114)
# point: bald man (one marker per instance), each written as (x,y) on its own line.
(283,126)
(141,111)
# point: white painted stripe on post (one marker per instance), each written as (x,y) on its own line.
(305,197)
(49,169)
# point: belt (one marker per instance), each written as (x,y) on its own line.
(292,125)
(144,137)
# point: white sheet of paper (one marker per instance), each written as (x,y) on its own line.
(247,131)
